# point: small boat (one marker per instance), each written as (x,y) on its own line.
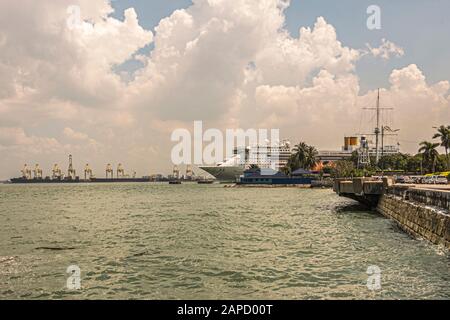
(175,182)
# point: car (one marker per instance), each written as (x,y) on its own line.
(417,179)
(440,180)
(435,180)
(427,180)
(403,179)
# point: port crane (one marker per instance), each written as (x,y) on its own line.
(71,173)
(37,172)
(176,172)
(189,172)
(56,172)
(88,175)
(120,171)
(109,171)
(26,172)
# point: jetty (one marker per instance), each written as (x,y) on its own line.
(423,211)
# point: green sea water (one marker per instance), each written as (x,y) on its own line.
(160,241)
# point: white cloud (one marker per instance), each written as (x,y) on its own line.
(386,50)
(13,138)
(43,59)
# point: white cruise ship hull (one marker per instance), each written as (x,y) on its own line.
(225,173)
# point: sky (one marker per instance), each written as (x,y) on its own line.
(112,85)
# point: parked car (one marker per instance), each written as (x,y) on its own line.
(427,180)
(417,179)
(441,180)
(435,180)
(403,179)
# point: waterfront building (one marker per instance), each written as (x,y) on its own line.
(271,177)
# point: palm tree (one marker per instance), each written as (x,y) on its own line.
(429,154)
(304,157)
(311,157)
(299,157)
(443,133)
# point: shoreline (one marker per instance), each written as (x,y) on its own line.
(421,211)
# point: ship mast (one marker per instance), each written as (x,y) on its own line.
(378,130)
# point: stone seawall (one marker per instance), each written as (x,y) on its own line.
(412,210)
(423,211)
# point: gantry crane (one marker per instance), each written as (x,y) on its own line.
(56,172)
(120,171)
(109,171)
(87,172)
(71,173)
(37,172)
(189,172)
(26,172)
(176,172)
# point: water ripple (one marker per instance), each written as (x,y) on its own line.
(134,241)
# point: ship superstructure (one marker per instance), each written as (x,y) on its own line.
(262,155)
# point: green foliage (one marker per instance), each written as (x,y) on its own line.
(441,163)
(343,169)
(354,158)
(443,133)
(430,155)
(347,169)
(304,157)
(327,170)
(414,163)
(394,162)
(428,160)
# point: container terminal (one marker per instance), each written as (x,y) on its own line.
(35,175)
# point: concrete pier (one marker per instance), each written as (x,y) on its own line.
(422,211)
(363,190)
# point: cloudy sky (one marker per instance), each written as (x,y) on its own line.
(113,85)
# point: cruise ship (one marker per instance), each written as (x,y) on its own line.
(264,156)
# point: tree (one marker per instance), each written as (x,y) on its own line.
(354,158)
(443,133)
(286,170)
(429,155)
(310,157)
(441,163)
(397,161)
(414,164)
(343,169)
(304,157)
(298,159)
